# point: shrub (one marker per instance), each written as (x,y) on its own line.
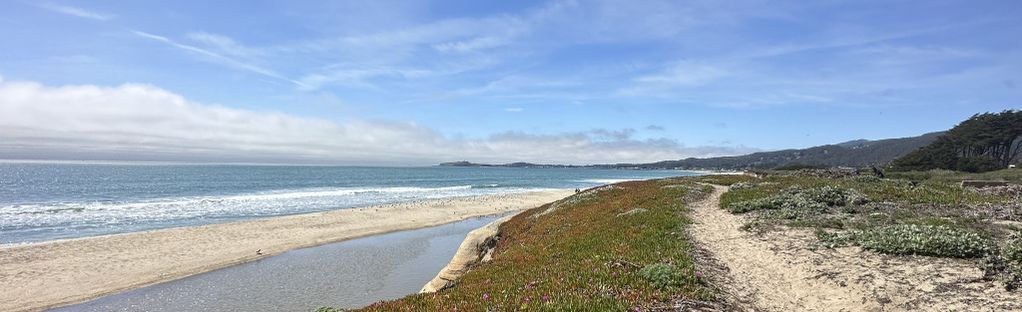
(866,179)
(742,185)
(927,240)
(831,240)
(1012,251)
(1012,255)
(804,200)
(1006,264)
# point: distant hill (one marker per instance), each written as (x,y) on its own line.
(509,165)
(857,153)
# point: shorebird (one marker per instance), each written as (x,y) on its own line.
(259,252)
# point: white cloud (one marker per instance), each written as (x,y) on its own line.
(514,109)
(143,122)
(73,11)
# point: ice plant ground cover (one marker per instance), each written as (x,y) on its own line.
(605,249)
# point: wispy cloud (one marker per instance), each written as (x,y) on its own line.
(514,109)
(74,11)
(216,57)
(225,45)
(676,75)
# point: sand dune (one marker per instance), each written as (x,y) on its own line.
(43,275)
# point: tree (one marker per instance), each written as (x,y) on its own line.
(984,142)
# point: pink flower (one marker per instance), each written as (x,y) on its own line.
(546,298)
(699,274)
(486,296)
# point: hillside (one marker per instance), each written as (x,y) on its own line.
(508,165)
(856,153)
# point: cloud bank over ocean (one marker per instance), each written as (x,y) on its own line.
(144,122)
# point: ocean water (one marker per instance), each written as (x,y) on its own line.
(47,201)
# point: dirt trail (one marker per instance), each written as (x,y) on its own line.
(779,271)
(763,277)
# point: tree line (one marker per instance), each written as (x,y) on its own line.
(984,142)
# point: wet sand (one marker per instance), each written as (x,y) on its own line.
(45,275)
(348,274)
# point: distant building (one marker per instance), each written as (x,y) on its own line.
(1011,166)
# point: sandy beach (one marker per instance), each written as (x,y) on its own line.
(43,275)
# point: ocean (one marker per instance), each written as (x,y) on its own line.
(48,201)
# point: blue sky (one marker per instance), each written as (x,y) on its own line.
(413,82)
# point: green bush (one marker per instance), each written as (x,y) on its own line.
(1012,255)
(831,240)
(803,200)
(927,240)
(742,186)
(1012,251)
(1006,264)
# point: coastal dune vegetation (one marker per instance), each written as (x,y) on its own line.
(613,248)
(925,214)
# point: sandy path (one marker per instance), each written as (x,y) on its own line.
(766,278)
(779,271)
(43,275)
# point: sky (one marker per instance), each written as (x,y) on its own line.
(420,82)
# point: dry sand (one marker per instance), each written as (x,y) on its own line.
(778,271)
(43,275)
